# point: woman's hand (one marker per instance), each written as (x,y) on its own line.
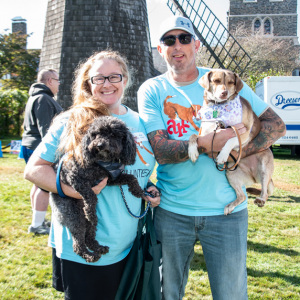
(100,186)
(41,173)
(154,191)
(69,191)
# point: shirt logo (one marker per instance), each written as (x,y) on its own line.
(185,114)
(177,128)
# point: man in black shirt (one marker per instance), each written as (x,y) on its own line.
(40,109)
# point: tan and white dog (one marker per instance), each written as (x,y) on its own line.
(223,104)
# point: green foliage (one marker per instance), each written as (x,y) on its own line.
(16,61)
(12,104)
(251,78)
(273,260)
(269,56)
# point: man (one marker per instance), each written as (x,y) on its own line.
(194,194)
(39,112)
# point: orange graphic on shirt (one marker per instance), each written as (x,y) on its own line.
(184,113)
(140,144)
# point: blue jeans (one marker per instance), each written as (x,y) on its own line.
(26,153)
(224,243)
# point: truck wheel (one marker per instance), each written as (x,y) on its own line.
(297,150)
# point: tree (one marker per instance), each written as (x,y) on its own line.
(270,56)
(268,52)
(18,62)
(12,104)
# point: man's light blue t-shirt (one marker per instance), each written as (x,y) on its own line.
(193,189)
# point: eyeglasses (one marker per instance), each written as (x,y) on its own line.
(114,78)
(56,79)
(170,40)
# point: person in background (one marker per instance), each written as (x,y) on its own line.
(98,89)
(194,194)
(40,109)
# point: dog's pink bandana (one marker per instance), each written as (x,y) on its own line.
(229,113)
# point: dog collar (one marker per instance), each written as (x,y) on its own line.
(114,169)
(58,185)
(229,113)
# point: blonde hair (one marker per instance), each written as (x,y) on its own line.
(85,107)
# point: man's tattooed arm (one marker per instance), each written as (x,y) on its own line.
(168,151)
(272,128)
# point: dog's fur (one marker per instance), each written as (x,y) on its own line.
(109,140)
(223,86)
(184,113)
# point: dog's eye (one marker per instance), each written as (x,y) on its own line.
(216,80)
(230,82)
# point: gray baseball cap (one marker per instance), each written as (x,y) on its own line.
(176,22)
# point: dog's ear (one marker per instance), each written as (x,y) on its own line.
(92,145)
(129,149)
(238,83)
(205,79)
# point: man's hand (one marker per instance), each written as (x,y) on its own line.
(219,138)
(272,128)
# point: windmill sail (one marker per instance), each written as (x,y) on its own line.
(219,48)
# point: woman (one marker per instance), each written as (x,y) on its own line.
(98,89)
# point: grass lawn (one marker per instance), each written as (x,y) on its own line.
(273,260)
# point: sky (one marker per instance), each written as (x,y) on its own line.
(34,11)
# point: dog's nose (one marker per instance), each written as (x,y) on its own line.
(224,94)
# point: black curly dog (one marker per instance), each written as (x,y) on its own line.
(107,147)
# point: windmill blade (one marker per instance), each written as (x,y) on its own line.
(221,48)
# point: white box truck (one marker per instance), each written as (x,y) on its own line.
(282,93)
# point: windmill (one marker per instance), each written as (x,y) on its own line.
(76,29)
(219,48)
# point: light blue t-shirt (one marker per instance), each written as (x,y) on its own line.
(116,227)
(193,189)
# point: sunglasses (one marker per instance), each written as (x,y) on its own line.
(184,39)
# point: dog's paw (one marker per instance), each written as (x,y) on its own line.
(193,148)
(104,250)
(229,209)
(259,202)
(222,158)
(90,258)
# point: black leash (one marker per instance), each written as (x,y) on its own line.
(130,212)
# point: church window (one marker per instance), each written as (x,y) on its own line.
(267,26)
(257,25)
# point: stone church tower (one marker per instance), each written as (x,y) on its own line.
(19,25)
(275,18)
(76,29)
